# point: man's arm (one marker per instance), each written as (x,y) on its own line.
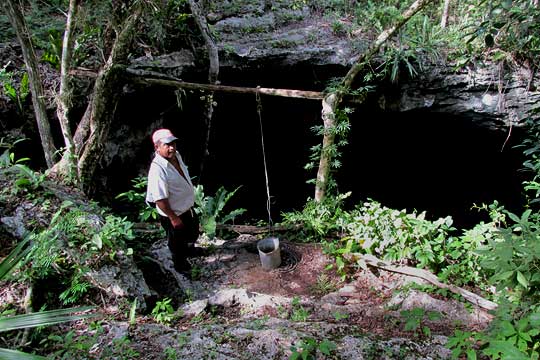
(166,208)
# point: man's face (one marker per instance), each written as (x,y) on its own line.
(166,150)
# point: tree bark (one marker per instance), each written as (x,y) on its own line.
(67,167)
(213,72)
(30,59)
(102,106)
(328,116)
(444,17)
(334,99)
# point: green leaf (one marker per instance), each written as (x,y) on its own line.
(14,257)
(327,346)
(504,350)
(340,263)
(97,240)
(522,280)
(496,11)
(471,354)
(498,55)
(514,217)
(43,318)
(6,354)
(294,356)
(507,4)
(534,319)
(507,329)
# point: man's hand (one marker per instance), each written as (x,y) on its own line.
(176,221)
(166,208)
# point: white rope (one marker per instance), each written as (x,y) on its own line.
(259,108)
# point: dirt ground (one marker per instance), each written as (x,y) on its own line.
(298,275)
(306,272)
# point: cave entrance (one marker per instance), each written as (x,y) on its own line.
(418,160)
(439,163)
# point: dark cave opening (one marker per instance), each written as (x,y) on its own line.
(438,163)
(416,160)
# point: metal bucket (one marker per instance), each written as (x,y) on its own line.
(269,253)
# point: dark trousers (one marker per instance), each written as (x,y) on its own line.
(181,241)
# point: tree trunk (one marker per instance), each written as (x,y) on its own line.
(67,167)
(328,116)
(444,17)
(30,59)
(333,100)
(213,72)
(101,109)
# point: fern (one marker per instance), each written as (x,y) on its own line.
(210,209)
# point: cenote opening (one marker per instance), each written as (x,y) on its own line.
(433,162)
(416,160)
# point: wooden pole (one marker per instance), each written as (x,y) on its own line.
(313,95)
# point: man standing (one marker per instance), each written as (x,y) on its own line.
(171,189)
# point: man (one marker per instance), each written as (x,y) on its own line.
(171,189)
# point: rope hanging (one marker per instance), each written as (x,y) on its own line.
(259,109)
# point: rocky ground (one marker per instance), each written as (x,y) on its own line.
(234,309)
(231,308)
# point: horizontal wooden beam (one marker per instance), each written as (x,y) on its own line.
(301,94)
(154,78)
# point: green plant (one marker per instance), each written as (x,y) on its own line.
(338,316)
(392,234)
(515,337)
(461,343)
(259,323)
(338,28)
(76,289)
(114,232)
(132,313)
(7,159)
(163,311)
(72,345)
(509,31)
(171,353)
(324,285)
(415,320)
(8,84)
(339,131)
(53,53)
(210,209)
(319,219)
(512,258)
(309,347)
(183,338)
(121,349)
(43,318)
(462,262)
(137,197)
(27,179)
(298,312)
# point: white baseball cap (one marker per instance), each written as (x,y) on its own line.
(164,136)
